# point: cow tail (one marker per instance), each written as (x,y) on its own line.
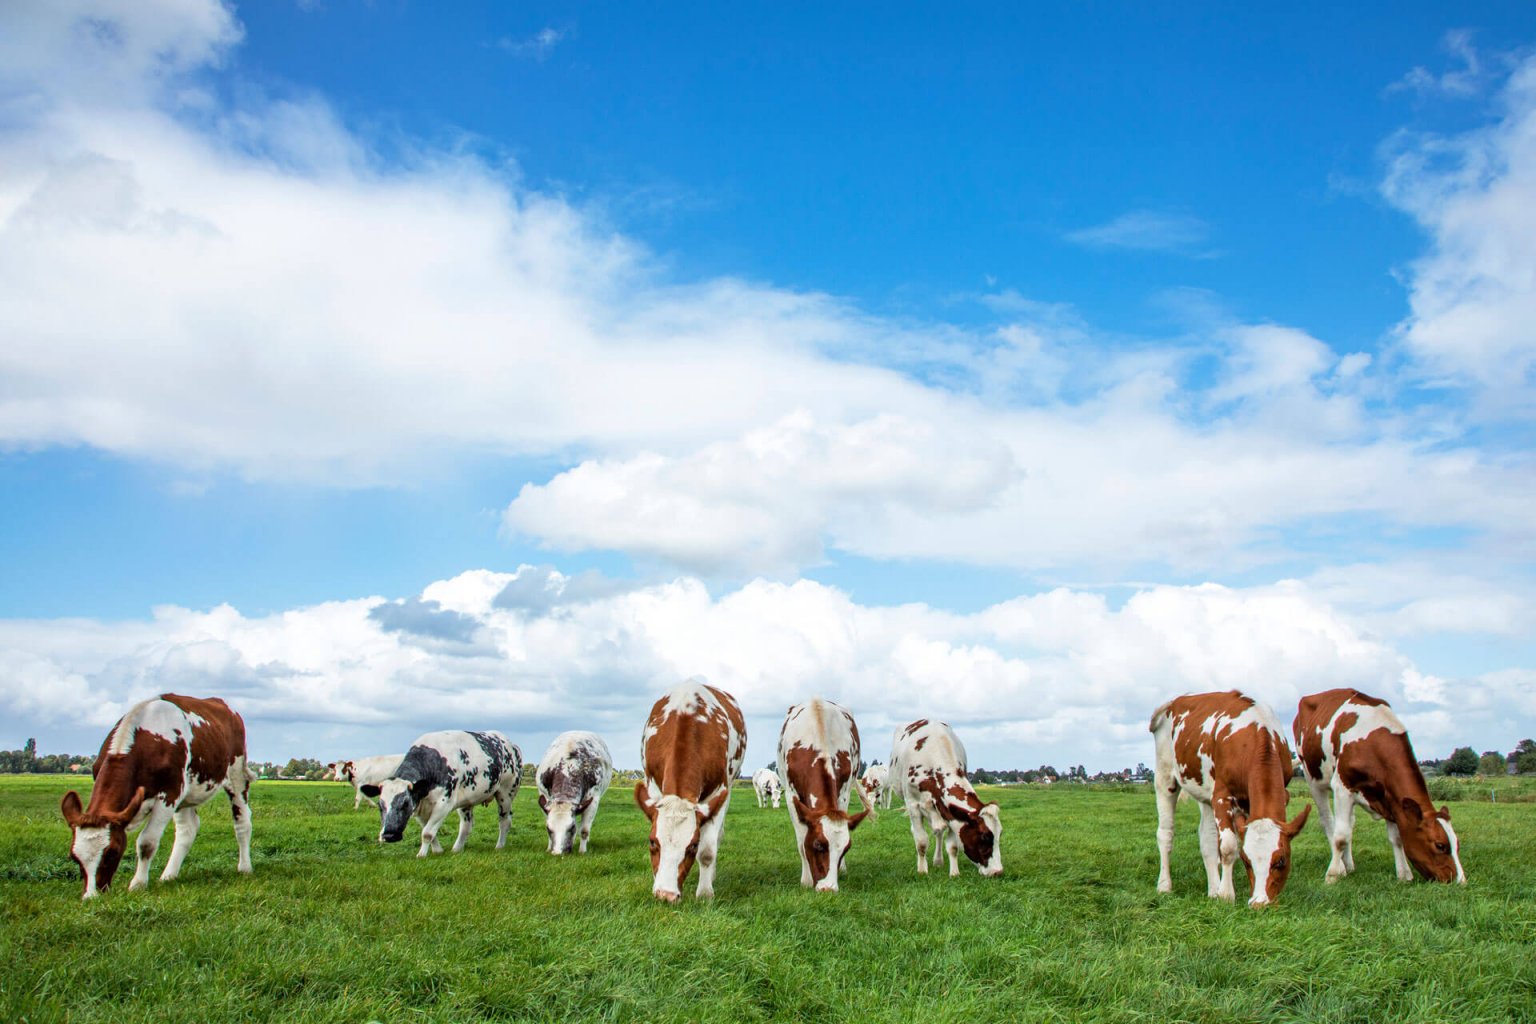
(1159,716)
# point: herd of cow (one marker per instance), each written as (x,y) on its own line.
(170,754)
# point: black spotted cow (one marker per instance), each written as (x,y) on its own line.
(448,771)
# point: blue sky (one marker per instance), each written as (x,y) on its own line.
(799,349)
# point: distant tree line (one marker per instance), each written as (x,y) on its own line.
(26,760)
(1466,761)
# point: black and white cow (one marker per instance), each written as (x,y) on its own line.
(448,771)
(572,778)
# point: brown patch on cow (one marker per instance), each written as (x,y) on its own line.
(909,730)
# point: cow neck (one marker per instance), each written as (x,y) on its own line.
(685,772)
(1401,779)
(1268,775)
(114,787)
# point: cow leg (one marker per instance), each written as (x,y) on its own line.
(1395,837)
(240,810)
(919,837)
(429,827)
(466,821)
(187,823)
(503,818)
(357,800)
(1210,850)
(1343,861)
(952,847)
(149,842)
(1167,805)
(588,816)
(1319,790)
(709,852)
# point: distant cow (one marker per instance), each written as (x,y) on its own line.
(691,750)
(572,777)
(161,760)
(1353,744)
(766,785)
(444,772)
(1226,751)
(362,771)
(928,763)
(819,754)
(875,786)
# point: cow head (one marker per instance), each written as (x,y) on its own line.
(1430,842)
(1267,852)
(675,825)
(397,802)
(99,840)
(981,836)
(828,835)
(560,820)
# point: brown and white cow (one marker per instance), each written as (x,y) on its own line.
(928,763)
(819,756)
(690,751)
(1354,745)
(1226,751)
(875,786)
(162,759)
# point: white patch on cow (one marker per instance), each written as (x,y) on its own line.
(677,828)
(88,847)
(1450,835)
(195,719)
(1370,718)
(1260,845)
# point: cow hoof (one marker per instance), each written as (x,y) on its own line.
(1333,877)
(1165,887)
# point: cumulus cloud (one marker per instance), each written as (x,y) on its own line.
(1050,676)
(1473,295)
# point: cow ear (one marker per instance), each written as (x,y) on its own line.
(805,813)
(713,804)
(71,809)
(854,819)
(543,803)
(1294,828)
(586,802)
(1444,813)
(1411,808)
(1239,822)
(124,816)
(420,789)
(643,798)
(369,790)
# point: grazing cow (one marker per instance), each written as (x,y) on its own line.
(573,775)
(690,750)
(161,760)
(928,763)
(365,770)
(875,786)
(1353,744)
(766,785)
(1226,751)
(819,751)
(448,771)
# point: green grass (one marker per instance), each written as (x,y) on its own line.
(334,927)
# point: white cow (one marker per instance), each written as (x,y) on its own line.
(767,787)
(573,775)
(928,763)
(364,771)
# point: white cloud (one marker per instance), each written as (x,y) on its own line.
(1473,295)
(535,47)
(1462,82)
(1150,230)
(1057,675)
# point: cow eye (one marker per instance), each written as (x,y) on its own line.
(1443,847)
(819,846)
(1279,863)
(655,846)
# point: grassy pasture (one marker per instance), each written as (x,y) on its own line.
(334,927)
